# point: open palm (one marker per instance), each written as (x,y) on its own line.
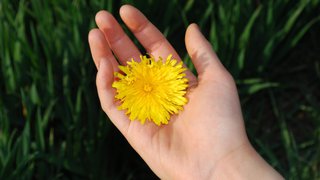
(209,128)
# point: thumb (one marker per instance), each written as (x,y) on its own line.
(200,50)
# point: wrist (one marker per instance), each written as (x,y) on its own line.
(244,163)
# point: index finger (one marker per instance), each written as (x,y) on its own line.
(149,36)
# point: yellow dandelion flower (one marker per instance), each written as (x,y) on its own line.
(151,90)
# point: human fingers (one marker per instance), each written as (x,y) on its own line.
(203,57)
(100,49)
(148,35)
(119,42)
(106,95)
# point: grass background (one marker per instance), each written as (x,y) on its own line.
(51,124)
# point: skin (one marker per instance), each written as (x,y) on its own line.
(207,140)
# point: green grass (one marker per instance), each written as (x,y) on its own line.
(51,124)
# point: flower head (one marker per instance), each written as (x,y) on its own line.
(151,90)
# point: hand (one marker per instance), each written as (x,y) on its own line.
(205,140)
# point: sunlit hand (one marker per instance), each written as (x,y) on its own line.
(207,139)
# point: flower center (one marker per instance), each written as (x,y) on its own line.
(147,88)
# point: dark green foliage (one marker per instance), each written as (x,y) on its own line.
(51,124)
